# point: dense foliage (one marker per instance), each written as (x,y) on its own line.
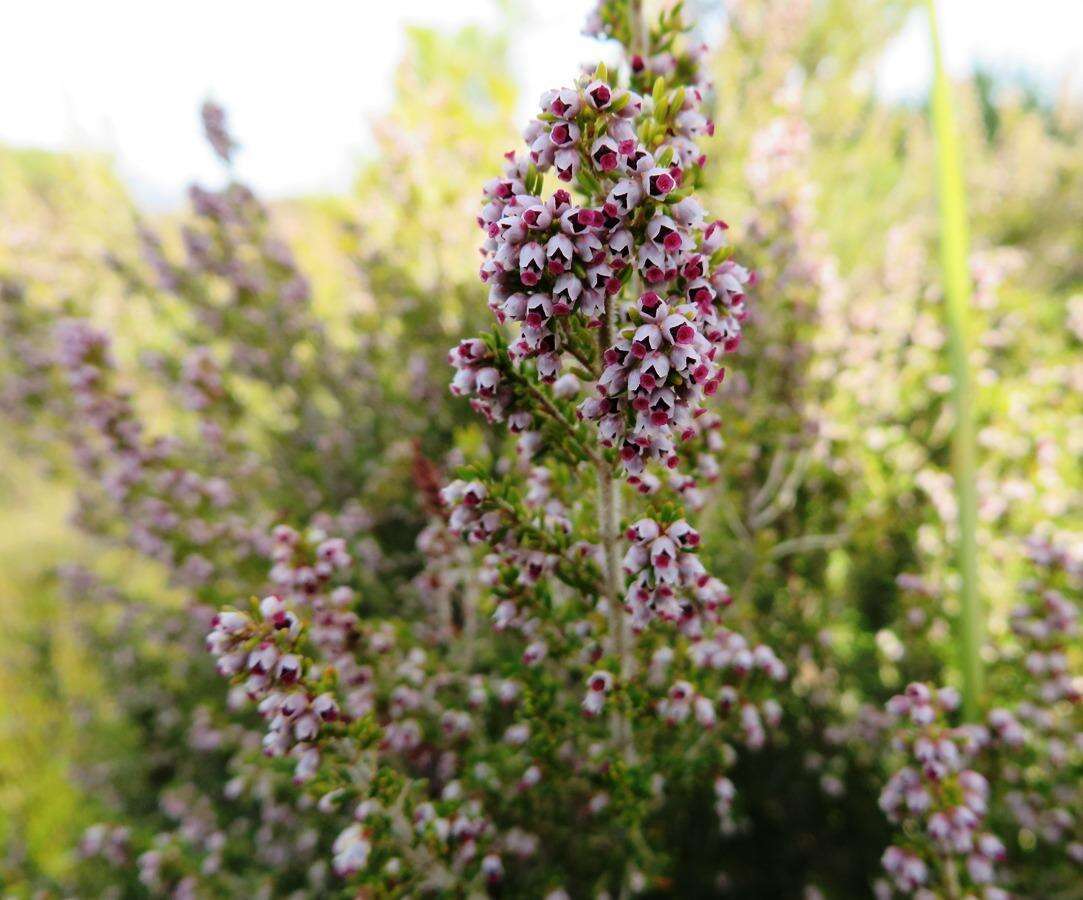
(659,598)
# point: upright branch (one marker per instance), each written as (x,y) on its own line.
(609,515)
(626,251)
(615,301)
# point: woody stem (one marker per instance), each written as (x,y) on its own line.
(609,514)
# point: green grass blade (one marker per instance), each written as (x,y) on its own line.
(954,250)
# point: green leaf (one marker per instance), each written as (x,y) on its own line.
(659,91)
(954,256)
(676,101)
(533,179)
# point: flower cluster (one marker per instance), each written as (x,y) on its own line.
(668,581)
(477,377)
(943,801)
(1048,627)
(658,373)
(216,131)
(352,701)
(468,517)
(174,510)
(1036,741)
(557,268)
(221,815)
(289,698)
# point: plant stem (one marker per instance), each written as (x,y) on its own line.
(470,621)
(951,876)
(609,526)
(805,543)
(609,513)
(609,504)
(637,25)
(954,249)
(569,426)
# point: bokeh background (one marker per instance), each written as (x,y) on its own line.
(368,129)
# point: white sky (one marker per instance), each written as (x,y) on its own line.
(300,80)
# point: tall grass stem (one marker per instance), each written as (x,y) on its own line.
(954,251)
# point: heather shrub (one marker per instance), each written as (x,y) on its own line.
(647,585)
